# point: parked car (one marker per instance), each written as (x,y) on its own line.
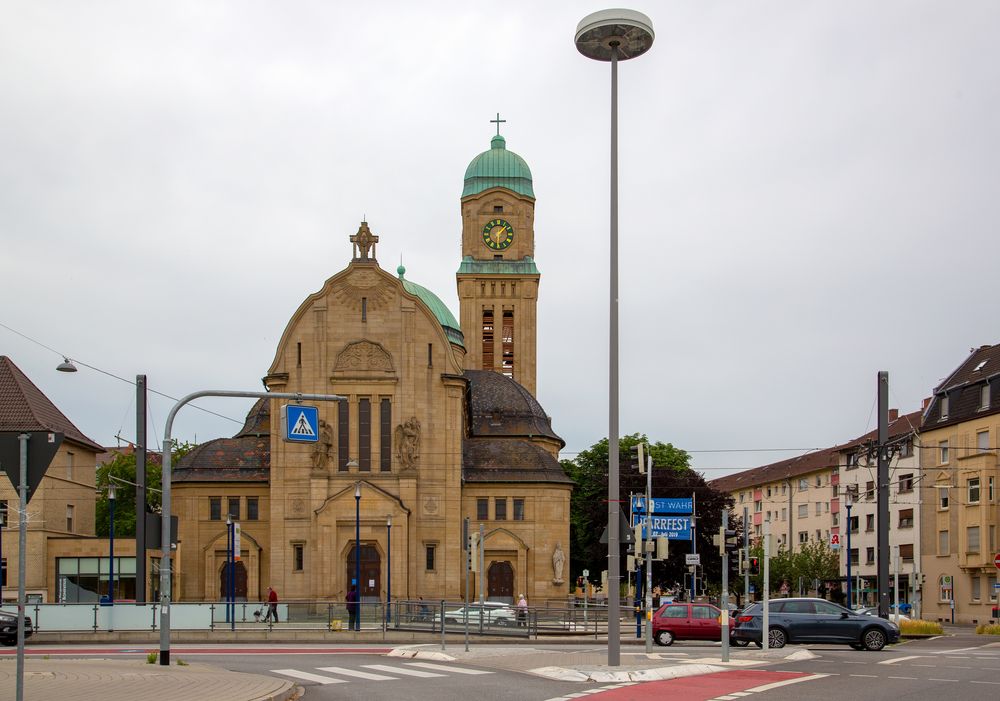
(689,621)
(806,620)
(8,628)
(494,613)
(873,611)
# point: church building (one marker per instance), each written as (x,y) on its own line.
(439,423)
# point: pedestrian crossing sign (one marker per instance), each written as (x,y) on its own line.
(300,423)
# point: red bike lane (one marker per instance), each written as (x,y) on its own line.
(706,686)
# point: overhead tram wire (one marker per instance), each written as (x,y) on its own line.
(117,377)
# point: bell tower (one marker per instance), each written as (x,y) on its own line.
(497,278)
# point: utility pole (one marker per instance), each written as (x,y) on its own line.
(765,638)
(883,494)
(140,490)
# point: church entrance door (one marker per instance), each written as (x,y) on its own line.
(240,579)
(371,572)
(500,582)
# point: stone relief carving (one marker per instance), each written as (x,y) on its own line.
(362,283)
(296,507)
(432,504)
(408,443)
(363,355)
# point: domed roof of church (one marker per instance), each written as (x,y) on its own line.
(498,167)
(437,307)
(500,406)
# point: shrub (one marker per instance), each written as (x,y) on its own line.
(151,657)
(988,629)
(918,627)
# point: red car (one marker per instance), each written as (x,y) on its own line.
(690,621)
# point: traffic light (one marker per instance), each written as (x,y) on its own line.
(728,541)
(638,457)
(754,566)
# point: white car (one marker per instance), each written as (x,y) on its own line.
(873,611)
(494,613)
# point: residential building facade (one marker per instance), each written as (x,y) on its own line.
(959,511)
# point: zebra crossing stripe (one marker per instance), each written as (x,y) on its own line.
(402,670)
(307,676)
(356,673)
(446,668)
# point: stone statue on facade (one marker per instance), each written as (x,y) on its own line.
(558,560)
(408,443)
(323,448)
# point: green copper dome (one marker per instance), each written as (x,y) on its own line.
(444,316)
(498,167)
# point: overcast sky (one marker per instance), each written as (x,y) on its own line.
(809,194)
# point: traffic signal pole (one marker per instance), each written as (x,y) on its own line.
(725,587)
(647,543)
(746,555)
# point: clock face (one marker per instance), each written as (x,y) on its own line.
(498,234)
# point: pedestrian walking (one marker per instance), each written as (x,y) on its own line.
(272,606)
(522,611)
(352,609)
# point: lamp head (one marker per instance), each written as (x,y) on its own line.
(357,490)
(111,491)
(388,521)
(66,365)
(619,34)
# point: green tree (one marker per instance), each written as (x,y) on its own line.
(813,560)
(672,477)
(122,468)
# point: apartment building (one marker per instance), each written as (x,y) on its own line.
(859,488)
(794,496)
(959,513)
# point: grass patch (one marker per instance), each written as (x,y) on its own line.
(987,629)
(918,627)
(151,657)
(182,663)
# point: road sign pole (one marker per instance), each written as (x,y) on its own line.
(22,543)
(165,567)
(746,554)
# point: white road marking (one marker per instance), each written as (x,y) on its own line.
(356,673)
(786,682)
(913,678)
(975,682)
(869,676)
(901,659)
(446,668)
(932,679)
(308,676)
(401,670)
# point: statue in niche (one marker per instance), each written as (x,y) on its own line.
(323,448)
(558,560)
(408,443)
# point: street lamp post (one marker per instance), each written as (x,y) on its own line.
(230,609)
(357,551)
(111,542)
(614,35)
(388,574)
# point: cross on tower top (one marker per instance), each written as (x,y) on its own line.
(364,241)
(498,122)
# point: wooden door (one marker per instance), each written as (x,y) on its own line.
(371,572)
(500,582)
(240,580)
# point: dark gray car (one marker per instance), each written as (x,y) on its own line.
(804,620)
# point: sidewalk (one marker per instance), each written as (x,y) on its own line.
(126,680)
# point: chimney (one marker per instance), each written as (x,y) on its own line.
(893,415)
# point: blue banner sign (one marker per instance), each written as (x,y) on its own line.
(670,527)
(664,506)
